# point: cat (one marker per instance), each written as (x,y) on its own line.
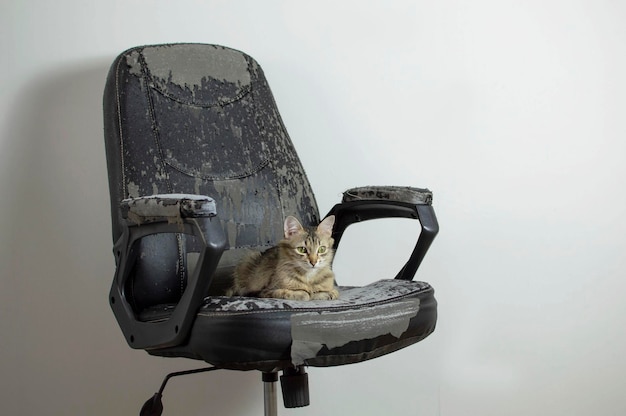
(298,268)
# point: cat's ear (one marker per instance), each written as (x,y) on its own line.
(292,226)
(326,226)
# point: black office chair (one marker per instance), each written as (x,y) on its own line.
(201,170)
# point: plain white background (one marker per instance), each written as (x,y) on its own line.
(512,112)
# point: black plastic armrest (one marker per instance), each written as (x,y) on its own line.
(170,213)
(373,202)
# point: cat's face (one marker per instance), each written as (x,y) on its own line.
(311,248)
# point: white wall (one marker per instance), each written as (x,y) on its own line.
(512,112)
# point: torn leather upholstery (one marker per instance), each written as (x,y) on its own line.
(266,334)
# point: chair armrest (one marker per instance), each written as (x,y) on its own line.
(168,213)
(167,207)
(417,196)
(373,202)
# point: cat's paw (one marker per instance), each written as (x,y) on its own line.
(286,294)
(330,295)
(296,295)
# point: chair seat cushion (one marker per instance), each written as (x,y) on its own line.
(271,334)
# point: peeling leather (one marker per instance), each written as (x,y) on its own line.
(313,331)
(204,121)
(214,133)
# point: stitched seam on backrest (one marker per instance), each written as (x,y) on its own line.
(259,166)
(119,123)
(219,103)
(157,140)
(248,90)
(263,132)
(153,120)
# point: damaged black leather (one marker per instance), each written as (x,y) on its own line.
(201,169)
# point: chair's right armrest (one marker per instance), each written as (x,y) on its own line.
(374,202)
(404,194)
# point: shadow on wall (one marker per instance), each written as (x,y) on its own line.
(65,344)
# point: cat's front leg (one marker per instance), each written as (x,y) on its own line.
(325,295)
(286,294)
(324,288)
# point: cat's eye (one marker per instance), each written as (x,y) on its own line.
(321,249)
(301,250)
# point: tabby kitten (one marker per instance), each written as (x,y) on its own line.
(298,268)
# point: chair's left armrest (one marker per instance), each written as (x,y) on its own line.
(167,213)
(373,202)
(167,207)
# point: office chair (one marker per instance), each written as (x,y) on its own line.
(201,171)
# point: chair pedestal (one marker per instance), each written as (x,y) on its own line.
(269,394)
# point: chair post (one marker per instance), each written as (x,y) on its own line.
(269,393)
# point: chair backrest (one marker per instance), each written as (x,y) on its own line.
(199,119)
